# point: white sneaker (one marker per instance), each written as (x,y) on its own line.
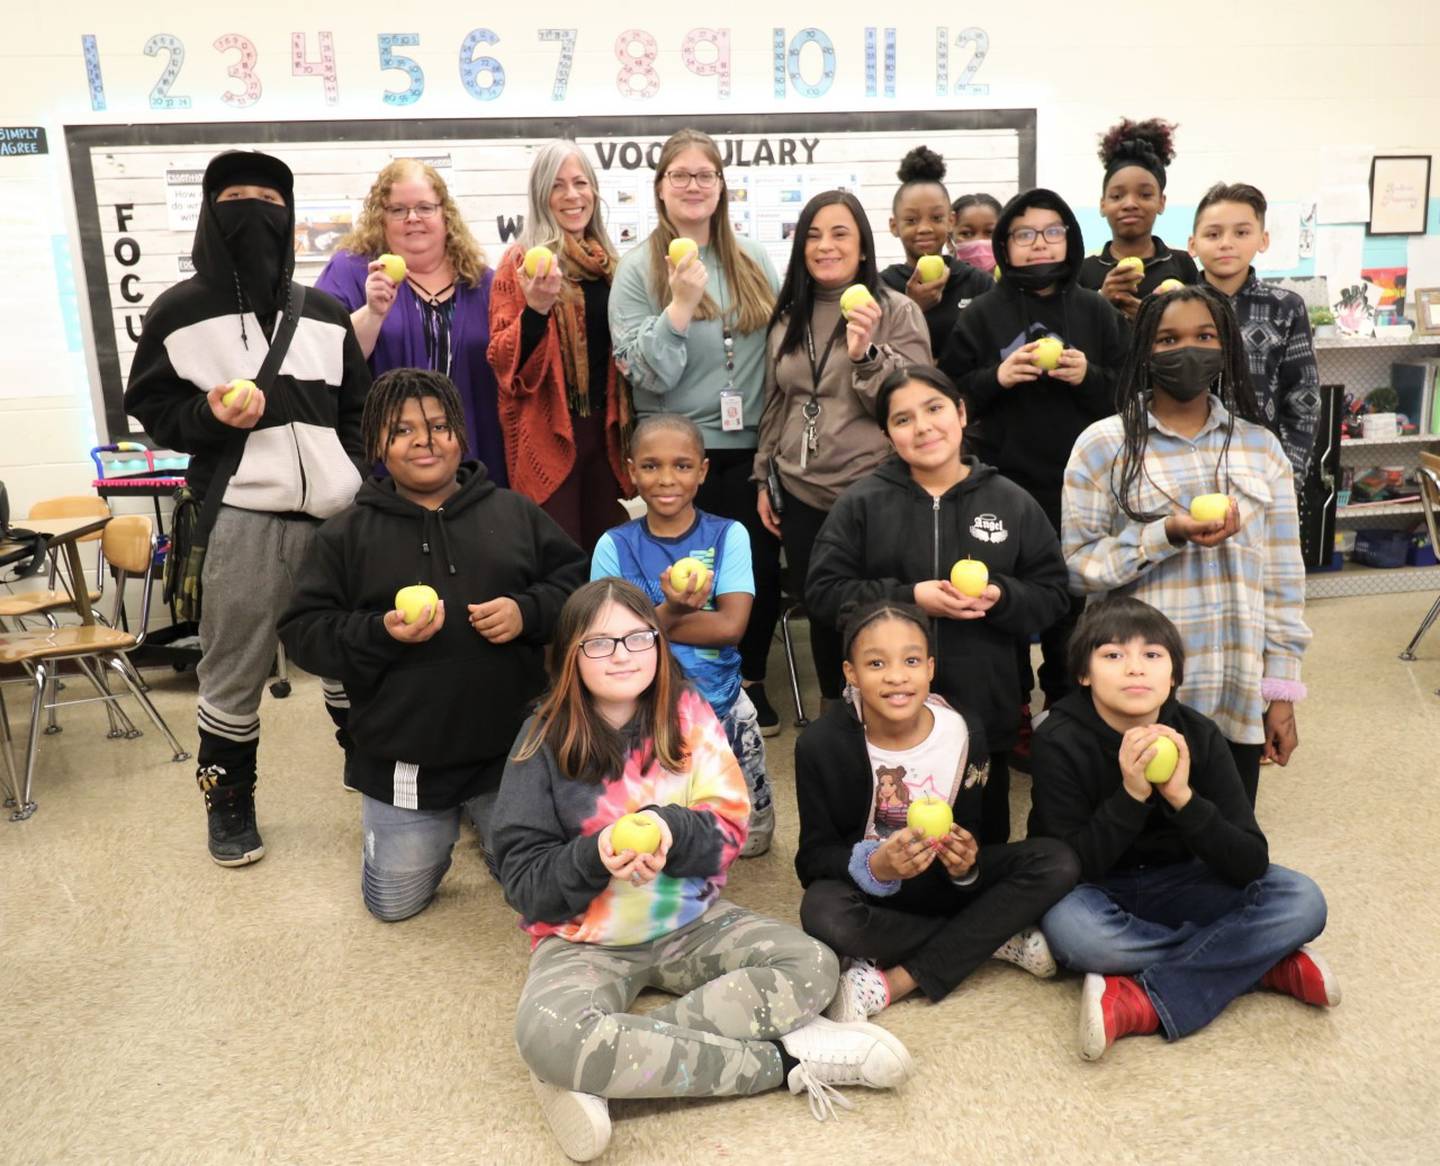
(579,1121)
(1027,949)
(832,1055)
(762,832)
(863,992)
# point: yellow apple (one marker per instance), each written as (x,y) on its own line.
(637,832)
(1047,352)
(853,297)
(536,256)
(239,393)
(412,601)
(929,268)
(394,267)
(1209,507)
(1129,262)
(681,247)
(686,569)
(996,273)
(1161,767)
(931,816)
(1168,285)
(969,577)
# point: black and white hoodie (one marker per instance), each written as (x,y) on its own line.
(303,455)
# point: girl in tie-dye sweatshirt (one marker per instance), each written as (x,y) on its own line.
(619,733)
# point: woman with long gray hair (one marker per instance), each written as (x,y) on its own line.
(564,407)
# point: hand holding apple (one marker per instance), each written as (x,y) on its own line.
(637,832)
(687,583)
(1072,367)
(1019,367)
(1122,286)
(958,852)
(244,412)
(1176,788)
(853,296)
(1209,507)
(860,325)
(628,865)
(931,816)
(393,266)
(680,247)
(1181,527)
(498,620)
(542,285)
(926,285)
(417,603)
(688,279)
(938,597)
(969,577)
(903,855)
(424,623)
(1135,754)
(1047,353)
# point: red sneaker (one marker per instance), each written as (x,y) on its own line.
(1112,1007)
(1305,975)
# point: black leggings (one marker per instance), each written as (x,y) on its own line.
(1247,761)
(798,527)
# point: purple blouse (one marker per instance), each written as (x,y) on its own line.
(401,344)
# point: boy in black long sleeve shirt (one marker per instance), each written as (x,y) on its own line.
(1180,909)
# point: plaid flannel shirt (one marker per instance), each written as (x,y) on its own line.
(1239,606)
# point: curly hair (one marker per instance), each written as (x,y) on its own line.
(921,165)
(367,237)
(1149,144)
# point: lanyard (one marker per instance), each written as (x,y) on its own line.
(817,370)
(727,337)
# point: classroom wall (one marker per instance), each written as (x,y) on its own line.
(1295,97)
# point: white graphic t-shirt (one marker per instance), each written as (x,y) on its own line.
(933,768)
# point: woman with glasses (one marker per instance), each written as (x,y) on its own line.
(689,331)
(437,314)
(1037,360)
(564,407)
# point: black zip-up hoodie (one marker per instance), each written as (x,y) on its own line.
(456,700)
(885,534)
(1164,264)
(1079,797)
(964,284)
(302,456)
(1026,432)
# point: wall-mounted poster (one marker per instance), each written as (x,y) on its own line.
(1399,194)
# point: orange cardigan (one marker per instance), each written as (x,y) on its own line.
(534,408)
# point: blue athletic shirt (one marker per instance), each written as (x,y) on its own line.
(632,553)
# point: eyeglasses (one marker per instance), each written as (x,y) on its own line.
(422,210)
(680,179)
(1025,236)
(601,646)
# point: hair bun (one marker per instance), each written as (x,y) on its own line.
(921,164)
(1149,141)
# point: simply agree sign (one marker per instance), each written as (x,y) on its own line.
(16,140)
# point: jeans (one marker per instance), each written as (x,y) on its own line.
(1193,941)
(407,852)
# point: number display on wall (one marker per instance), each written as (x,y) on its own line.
(389,59)
(243,70)
(160,98)
(719,68)
(473,67)
(566,37)
(324,68)
(788,62)
(872,70)
(964,86)
(637,66)
(94,79)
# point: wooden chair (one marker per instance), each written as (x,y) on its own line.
(19,605)
(128,547)
(1430,500)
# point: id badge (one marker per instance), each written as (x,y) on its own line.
(732,411)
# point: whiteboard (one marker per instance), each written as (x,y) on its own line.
(136,195)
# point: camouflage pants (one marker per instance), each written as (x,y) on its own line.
(742,980)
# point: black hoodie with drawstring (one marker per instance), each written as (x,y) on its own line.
(302,456)
(1026,432)
(455,702)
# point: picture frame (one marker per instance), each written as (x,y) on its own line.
(1427,311)
(1399,194)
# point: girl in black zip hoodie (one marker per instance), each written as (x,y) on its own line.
(896,535)
(435,703)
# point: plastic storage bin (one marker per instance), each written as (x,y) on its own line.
(1381,548)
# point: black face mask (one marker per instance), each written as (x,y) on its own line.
(1036,277)
(1186,373)
(256,234)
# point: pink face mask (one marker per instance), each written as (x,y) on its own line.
(977,253)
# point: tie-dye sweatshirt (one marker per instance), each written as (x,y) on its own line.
(546,837)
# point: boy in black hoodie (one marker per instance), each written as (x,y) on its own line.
(897,534)
(1179,909)
(436,701)
(297,446)
(1027,414)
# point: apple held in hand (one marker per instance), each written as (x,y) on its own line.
(535,257)
(394,267)
(1047,352)
(412,601)
(929,268)
(996,273)
(686,569)
(239,394)
(1210,507)
(636,832)
(931,816)
(854,296)
(1162,766)
(969,577)
(681,247)
(1129,262)
(1167,286)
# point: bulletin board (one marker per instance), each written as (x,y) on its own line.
(137,188)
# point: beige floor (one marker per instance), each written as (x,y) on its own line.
(160,1009)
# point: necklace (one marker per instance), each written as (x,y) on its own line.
(425,293)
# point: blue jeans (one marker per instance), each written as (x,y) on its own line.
(407,852)
(1193,941)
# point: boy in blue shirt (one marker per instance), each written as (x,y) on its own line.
(704,616)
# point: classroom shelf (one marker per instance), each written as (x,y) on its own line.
(1378,509)
(1327,343)
(1356,579)
(1347,442)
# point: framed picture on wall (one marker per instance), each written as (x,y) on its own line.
(1399,194)
(1427,311)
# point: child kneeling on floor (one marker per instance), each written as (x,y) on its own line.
(912,911)
(1180,909)
(620,734)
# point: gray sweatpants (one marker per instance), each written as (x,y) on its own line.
(249,574)
(743,982)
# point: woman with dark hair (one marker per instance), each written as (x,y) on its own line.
(822,371)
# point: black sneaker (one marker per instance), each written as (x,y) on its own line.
(765,714)
(234,837)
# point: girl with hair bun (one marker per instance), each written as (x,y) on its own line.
(1135,155)
(921,218)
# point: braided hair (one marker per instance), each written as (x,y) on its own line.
(1132,394)
(387,400)
(856,617)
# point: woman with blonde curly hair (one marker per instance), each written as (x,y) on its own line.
(437,315)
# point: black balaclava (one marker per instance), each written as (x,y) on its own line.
(256,236)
